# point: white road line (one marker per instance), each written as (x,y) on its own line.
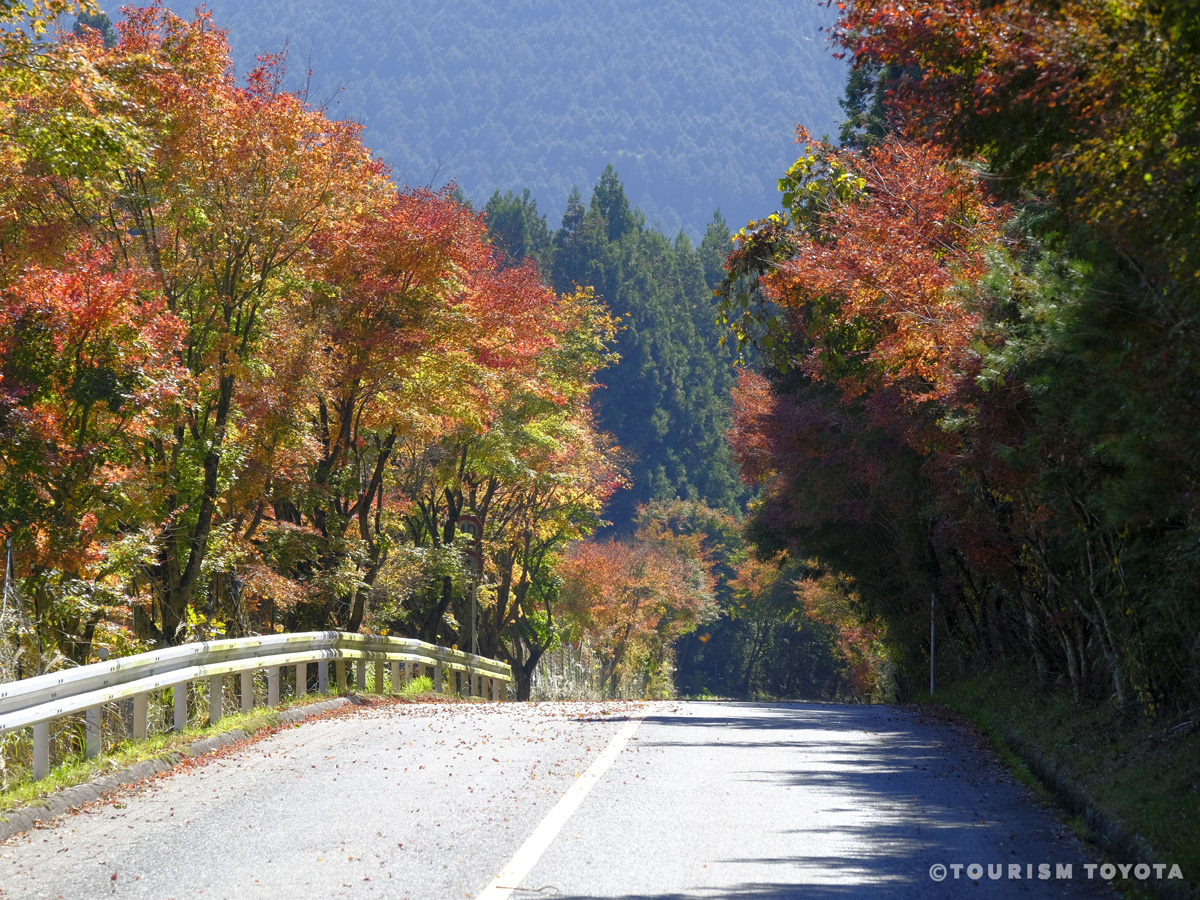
(509,878)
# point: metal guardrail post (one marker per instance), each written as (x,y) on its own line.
(141,709)
(437,677)
(181,706)
(273,686)
(41,750)
(322,677)
(216,705)
(301,679)
(379,677)
(360,676)
(91,727)
(395,687)
(339,668)
(247,690)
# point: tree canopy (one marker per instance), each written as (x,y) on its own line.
(248,384)
(666,400)
(980,324)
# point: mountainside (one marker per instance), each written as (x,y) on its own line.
(694,103)
(667,400)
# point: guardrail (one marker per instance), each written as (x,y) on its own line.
(38,701)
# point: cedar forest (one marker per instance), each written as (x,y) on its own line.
(248,384)
(694,101)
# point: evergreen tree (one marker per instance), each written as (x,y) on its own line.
(610,202)
(713,249)
(516,227)
(864,104)
(666,401)
(97,21)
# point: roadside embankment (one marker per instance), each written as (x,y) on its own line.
(80,781)
(73,786)
(1130,784)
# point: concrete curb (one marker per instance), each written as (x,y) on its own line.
(43,810)
(1113,837)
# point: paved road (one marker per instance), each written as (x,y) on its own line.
(432,801)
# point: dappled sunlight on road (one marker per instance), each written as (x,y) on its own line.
(705,800)
(814,800)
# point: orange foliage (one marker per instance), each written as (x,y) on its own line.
(832,600)
(634,598)
(86,368)
(877,277)
(753,403)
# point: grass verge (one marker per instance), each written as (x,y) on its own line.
(1132,785)
(79,770)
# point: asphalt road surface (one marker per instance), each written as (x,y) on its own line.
(645,800)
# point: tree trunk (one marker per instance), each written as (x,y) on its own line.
(179,595)
(524,673)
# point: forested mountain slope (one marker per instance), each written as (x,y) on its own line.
(693,102)
(667,400)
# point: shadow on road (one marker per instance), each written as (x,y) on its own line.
(746,891)
(878,795)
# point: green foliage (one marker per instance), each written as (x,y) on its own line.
(415,573)
(100,23)
(763,644)
(422,684)
(667,400)
(1106,449)
(517,230)
(864,104)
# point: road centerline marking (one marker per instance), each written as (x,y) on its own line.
(509,878)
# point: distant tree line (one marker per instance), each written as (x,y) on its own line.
(692,101)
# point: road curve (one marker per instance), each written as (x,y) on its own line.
(702,800)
